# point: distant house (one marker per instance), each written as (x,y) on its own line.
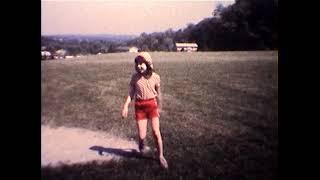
(46,55)
(69,57)
(126,49)
(188,47)
(133,49)
(60,54)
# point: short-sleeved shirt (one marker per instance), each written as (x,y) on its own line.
(142,88)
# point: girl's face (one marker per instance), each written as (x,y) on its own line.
(141,66)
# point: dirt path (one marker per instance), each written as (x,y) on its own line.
(74,145)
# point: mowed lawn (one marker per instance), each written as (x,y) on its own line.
(219,119)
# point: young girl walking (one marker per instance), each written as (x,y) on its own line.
(145,91)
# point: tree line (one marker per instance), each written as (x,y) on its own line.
(244,25)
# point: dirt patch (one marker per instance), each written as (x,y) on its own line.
(74,145)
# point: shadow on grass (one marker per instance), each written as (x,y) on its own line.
(226,159)
(129,168)
(127,153)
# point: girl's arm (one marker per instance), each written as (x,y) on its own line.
(159,98)
(127,102)
(125,107)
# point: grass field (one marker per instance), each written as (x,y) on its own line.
(219,120)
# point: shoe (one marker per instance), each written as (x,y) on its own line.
(163,162)
(145,150)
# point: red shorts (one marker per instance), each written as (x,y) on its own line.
(146,109)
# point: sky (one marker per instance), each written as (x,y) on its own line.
(130,17)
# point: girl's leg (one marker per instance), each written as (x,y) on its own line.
(158,139)
(142,130)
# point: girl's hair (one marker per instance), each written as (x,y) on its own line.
(149,70)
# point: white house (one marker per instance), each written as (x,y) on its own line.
(45,55)
(60,54)
(69,57)
(133,49)
(127,49)
(188,47)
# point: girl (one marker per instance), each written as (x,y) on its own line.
(145,90)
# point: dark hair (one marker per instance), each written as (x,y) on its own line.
(149,70)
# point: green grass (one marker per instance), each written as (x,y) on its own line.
(219,120)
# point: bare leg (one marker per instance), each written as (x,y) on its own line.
(142,131)
(158,139)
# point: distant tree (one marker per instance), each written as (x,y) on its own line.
(168,43)
(169,33)
(244,25)
(218,10)
(112,48)
(154,43)
(145,47)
